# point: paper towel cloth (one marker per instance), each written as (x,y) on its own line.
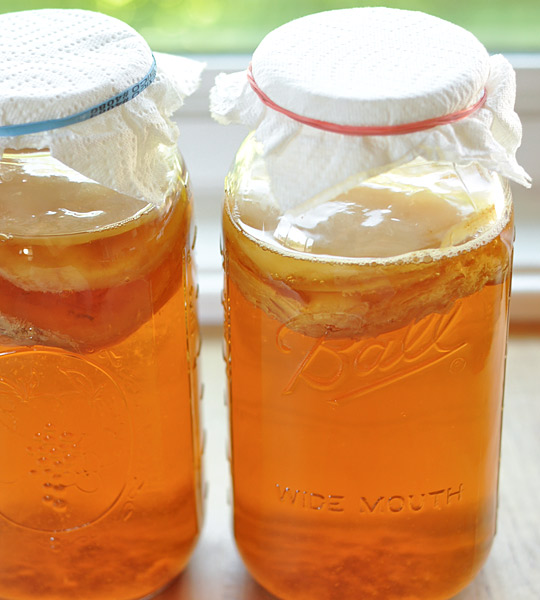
(371,67)
(56,63)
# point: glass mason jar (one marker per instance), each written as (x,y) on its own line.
(100,468)
(100,487)
(366,381)
(365,327)
(98,386)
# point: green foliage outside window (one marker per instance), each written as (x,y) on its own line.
(227,26)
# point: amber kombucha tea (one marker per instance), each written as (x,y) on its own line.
(365,353)
(99,440)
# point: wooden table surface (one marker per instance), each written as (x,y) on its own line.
(512,571)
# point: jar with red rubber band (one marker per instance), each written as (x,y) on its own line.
(367,248)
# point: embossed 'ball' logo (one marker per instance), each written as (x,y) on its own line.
(65,440)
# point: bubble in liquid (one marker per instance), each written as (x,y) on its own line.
(60,505)
(54,545)
(128,510)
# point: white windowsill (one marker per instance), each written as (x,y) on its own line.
(209,149)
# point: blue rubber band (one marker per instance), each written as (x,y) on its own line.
(121,98)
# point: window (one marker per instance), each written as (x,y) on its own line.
(238,25)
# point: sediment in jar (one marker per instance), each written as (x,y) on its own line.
(362,295)
(82,266)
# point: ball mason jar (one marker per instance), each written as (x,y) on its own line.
(365,346)
(100,475)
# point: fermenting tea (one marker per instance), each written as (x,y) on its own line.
(367,248)
(366,391)
(100,490)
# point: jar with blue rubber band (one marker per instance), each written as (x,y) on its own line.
(100,479)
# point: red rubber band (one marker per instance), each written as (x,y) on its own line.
(367,130)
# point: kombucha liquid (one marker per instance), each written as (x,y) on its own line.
(365,401)
(99,439)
